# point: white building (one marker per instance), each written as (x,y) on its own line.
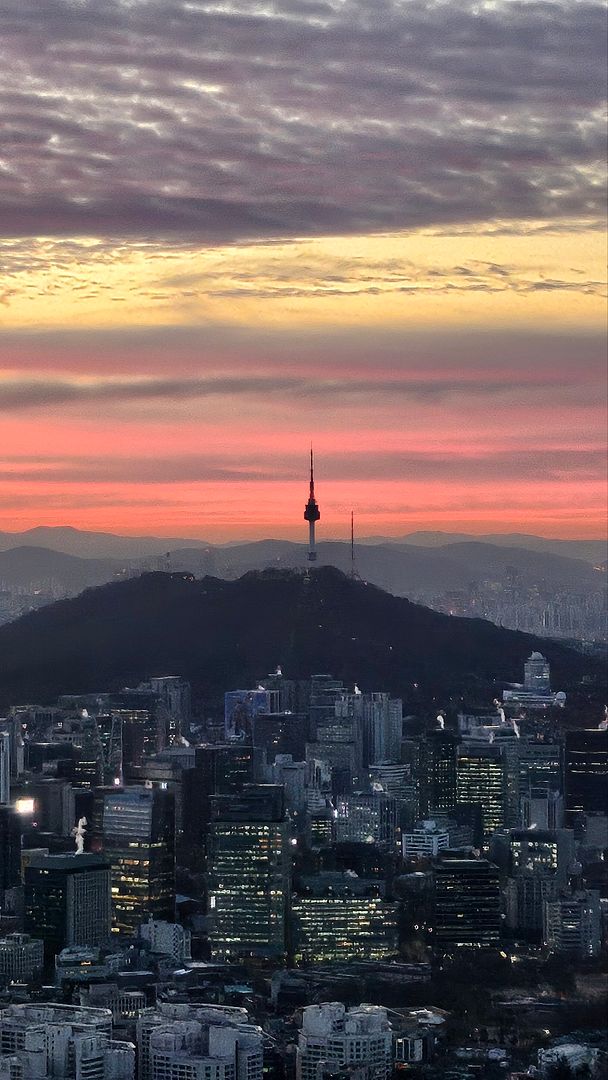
(62,1042)
(21,958)
(333,1035)
(426,841)
(167,938)
(198,1042)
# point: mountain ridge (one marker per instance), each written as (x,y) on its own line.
(225,634)
(89,544)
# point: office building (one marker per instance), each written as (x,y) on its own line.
(466,903)
(340,917)
(21,958)
(572,924)
(248,873)
(586,768)
(382,724)
(437,771)
(5,767)
(335,1036)
(542,808)
(481,778)
(67,901)
(10,849)
(138,830)
(537,863)
(281,733)
(176,696)
(537,674)
(366,819)
(425,841)
(240,710)
(292,776)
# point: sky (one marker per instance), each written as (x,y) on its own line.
(229,229)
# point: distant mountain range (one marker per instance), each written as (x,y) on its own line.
(101,545)
(403,569)
(221,634)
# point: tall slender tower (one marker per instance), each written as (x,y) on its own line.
(311,514)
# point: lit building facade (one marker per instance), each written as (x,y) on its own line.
(340,917)
(248,873)
(481,779)
(138,829)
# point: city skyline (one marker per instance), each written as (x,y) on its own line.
(231,229)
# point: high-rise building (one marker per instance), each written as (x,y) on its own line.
(292,776)
(5,767)
(218,769)
(366,819)
(437,771)
(537,863)
(10,849)
(63,1042)
(542,808)
(572,923)
(248,873)
(138,830)
(537,674)
(466,903)
(333,1035)
(586,762)
(240,710)
(341,917)
(67,901)
(176,695)
(482,779)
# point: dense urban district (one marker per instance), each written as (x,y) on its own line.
(301,877)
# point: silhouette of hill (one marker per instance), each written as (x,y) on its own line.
(37,566)
(222,634)
(93,545)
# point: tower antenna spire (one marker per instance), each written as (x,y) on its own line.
(311,512)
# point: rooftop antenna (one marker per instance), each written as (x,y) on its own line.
(352,543)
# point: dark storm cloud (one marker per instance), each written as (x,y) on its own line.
(297,118)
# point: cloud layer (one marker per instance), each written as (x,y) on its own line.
(297,117)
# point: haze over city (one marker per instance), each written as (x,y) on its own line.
(229,229)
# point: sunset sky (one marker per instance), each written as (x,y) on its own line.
(231,228)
